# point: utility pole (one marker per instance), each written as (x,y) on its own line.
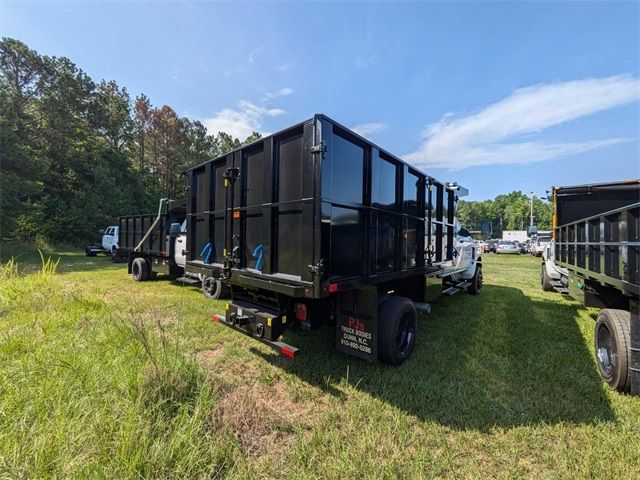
(532,195)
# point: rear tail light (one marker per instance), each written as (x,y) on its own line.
(301,312)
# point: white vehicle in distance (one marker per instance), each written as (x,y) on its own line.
(108,243)
(506,246)
(540,244)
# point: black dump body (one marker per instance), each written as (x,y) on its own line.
(134,227)
(313,209)
(597,233)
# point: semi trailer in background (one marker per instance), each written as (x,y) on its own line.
(596,245)
(315,225)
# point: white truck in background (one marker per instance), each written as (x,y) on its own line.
(108,243)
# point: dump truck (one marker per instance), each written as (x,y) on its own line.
(152,243)
(596,241)
(315,225)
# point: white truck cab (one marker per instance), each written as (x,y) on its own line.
(110,239)
(465,270)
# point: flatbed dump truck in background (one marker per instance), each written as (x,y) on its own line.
(157,243)
(153,243)
(316,225)
(597,240)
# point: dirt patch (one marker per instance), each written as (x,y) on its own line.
(208,356)
(264,418)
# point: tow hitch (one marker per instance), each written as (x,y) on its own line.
(259,323)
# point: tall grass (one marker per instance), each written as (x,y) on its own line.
(85,391)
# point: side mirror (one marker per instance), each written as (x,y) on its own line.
(174,229)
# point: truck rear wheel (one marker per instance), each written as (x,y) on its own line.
(140,269)
(613,347)
(545,280)
(397,329)
(214,289)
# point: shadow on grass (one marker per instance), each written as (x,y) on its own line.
(500,359)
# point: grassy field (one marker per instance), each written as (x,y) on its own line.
(104,377)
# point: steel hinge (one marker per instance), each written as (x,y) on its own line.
(320,148)
(317,269)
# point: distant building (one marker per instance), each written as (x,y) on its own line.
(515,235)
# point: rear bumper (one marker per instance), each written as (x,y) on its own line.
(259,323)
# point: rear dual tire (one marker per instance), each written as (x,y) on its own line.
(613,348)
(140,270)
(397,329)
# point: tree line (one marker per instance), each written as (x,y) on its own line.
(506,212)
(76,153)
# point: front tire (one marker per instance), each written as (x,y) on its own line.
(476,281)
(397,329)
(140,269)
(545,280)
(613,347)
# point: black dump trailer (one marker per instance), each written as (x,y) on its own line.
(316,225)
(150,241)
(597,239)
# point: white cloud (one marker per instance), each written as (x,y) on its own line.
(486,137)
(369,129)
(240,122)
(365,62)
(281,93)
(284,67)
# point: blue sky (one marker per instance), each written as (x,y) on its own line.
(496,96)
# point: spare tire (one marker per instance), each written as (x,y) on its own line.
(613,347)
(140,269)
(397,329)
(214,289)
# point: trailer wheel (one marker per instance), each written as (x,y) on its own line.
(545,280)
(397,329)
(476,281)
(613,342)
(214,289)
(89,253)
(140,269)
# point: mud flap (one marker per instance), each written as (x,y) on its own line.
(357,323)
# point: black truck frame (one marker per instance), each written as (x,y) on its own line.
(597,239)
(315,225)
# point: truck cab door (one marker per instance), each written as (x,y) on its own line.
(107,239)
(180,251)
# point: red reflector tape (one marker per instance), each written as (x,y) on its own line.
(216,318)
(287,352)
(332,288)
